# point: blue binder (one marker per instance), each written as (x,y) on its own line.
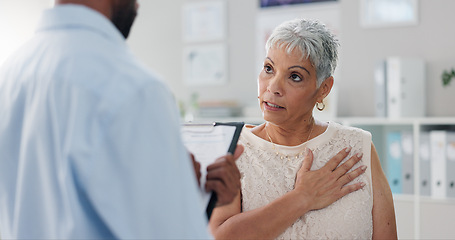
(394,162)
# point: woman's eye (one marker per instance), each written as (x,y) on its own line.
(296,78)
(267,69)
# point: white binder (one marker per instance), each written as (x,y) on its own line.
(380,89)
(450,151)
(438,163)
(405,87)
(407,145)
(425,164)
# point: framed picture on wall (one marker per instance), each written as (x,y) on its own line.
(388,13)
(204,21)
(273,3)
(205,65)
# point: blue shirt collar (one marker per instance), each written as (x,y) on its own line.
(79,16)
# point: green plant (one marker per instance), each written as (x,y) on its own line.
(447,77)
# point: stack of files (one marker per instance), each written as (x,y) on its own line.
(400,87)
(400,161)
(436,159)
(405,87)
(425,164)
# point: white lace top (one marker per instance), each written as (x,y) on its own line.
(266,177)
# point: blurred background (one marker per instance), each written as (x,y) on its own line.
(160,39)
(396,64)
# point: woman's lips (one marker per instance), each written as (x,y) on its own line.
(272,106)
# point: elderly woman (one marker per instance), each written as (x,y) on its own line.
(289,192)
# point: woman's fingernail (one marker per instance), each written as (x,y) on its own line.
(348,149)
(307,151)
(359,155)
(363,167)
(362,184)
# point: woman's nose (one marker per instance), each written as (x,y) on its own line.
(275,86)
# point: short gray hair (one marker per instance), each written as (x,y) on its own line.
(314,41)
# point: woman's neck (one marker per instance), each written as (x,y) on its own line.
(291,136)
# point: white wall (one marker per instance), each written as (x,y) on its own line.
(156,39)
(18,19)
(432,39)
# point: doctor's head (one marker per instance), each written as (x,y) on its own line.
(122,13)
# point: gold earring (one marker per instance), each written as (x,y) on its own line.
(320,108)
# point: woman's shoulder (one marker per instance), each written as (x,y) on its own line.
(344,129)
(248,134)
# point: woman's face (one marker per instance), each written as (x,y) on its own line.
(287,88)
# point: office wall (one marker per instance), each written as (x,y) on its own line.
(156,39)
(18,19)
(431,40)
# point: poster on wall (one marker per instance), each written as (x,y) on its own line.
(204,21)
(273,3)
(327,13)
(388,13)
(205,64)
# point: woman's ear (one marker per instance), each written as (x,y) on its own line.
(325,88)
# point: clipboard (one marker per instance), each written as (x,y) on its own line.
(207,142)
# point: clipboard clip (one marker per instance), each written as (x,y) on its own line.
(201,127)
(208,127)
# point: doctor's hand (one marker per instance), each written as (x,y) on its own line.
(322,187)
(223,177)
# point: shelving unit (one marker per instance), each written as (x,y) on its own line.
(418,217)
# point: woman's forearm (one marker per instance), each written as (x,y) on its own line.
(267,222)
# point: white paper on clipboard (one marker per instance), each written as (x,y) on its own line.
(207,142)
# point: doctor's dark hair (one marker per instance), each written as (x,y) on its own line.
(314,41)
